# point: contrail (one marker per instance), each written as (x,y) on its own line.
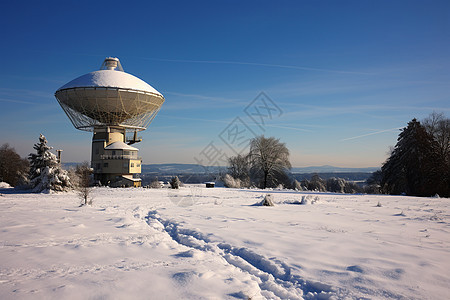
(290,128)
(259,64)
(194,119)
(372,133)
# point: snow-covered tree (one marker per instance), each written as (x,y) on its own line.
(296,185)
(45,171)
(352,188)
(317,184)
(155,184)
(268,200)
(231,182)
(336,185)
(175,183)
(239,170)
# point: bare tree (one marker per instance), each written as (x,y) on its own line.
(269,160)
(438,126)
(431,123)
(13,168)
(83,182)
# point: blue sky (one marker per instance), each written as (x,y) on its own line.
(344,75)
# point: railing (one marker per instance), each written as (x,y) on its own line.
(105,156)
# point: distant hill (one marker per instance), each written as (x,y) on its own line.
(349,176)
(173,169)
(195,168)
(331,169)
(69,165)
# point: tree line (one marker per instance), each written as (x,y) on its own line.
(13,168)
(418,165)
(266,165)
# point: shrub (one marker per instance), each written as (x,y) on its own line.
(296,185)
(317,184)
(268,200)
(231,182)
(155,184)
(175,183)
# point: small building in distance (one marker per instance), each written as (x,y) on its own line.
(210,184)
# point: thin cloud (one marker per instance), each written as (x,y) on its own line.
(372,133)
(28,78)
(260,65)
(203,97)
(17,101)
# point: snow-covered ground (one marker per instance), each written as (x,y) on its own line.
(198,243)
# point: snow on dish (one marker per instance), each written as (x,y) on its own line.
(141,244)
(110,78)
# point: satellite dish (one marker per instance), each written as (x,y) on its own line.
(110,102)
(109,97)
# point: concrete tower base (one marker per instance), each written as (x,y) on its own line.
(115,163)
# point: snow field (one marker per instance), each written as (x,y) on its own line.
(199,243)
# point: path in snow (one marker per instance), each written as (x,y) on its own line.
(273,277)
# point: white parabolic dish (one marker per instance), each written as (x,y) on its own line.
(109,97)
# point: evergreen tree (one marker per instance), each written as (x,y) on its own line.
(413,167)
(45,171)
